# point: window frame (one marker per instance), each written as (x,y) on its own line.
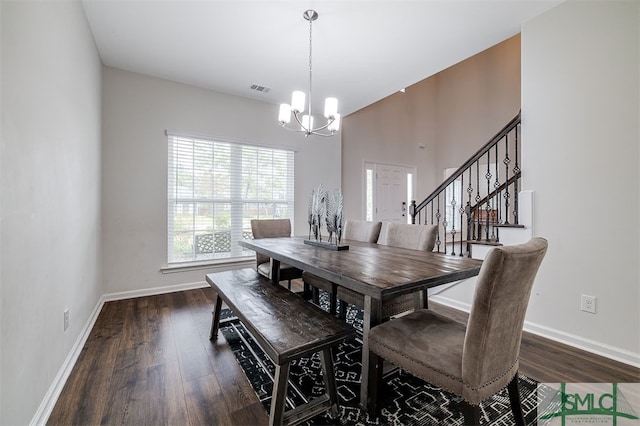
(241,207)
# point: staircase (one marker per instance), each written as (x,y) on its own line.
(481,204)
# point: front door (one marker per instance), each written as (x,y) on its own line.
(393,190)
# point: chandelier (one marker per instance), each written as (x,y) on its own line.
(297,106)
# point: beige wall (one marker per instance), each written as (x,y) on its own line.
(136,111)
(580,110)
(452,113)
(50,195)
(475,99)
(389,131)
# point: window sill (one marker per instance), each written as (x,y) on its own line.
(222,264)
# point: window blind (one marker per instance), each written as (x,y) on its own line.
(215,188)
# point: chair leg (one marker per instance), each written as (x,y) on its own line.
(471,414)
(514,398)
(343,309)
(332,302)
(306,294)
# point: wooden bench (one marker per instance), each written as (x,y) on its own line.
(287,328)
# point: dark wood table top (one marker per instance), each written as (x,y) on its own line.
(370,269)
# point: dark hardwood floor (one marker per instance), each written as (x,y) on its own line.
(149,360)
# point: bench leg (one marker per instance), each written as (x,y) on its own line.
(215,322)
(326,358)
(279,395)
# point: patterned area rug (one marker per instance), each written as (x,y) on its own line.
(406,400)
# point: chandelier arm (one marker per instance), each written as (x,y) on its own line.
(284,126)
(329,122)
(324,135)
(310,132)
(304,129)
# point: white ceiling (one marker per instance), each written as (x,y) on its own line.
(363,51)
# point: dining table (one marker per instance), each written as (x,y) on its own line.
(375,271)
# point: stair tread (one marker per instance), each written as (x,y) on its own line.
(483,242)
(510,225)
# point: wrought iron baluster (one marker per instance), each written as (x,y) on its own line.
(438,225)
(488,202)
(506,162)
(431,212)
(496,200)
(478,198)
(516,170)
(470,233)
(461,209)
(453,217)
(445,222)
(496,185)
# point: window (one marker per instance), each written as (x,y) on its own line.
(215,188)
(369,195)
(409,195)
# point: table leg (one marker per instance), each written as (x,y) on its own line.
(215,322)
(370,365)
(421,300)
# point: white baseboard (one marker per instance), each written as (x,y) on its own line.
(46,406)
(452,303)
(51,397)
(598,348)
(153,291)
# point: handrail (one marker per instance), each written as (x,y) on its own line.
(453,199)
(481,152)
(493,193)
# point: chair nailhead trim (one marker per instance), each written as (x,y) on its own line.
(455,379)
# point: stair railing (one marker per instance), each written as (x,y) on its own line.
(491,180)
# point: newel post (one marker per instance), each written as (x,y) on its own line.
(412,211)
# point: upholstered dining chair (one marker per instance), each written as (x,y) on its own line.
(355,230)
(395,234)
(416,237)
(477,360)
(273,228)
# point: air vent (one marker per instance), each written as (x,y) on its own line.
(259,88)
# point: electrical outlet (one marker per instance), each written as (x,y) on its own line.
(588,304)
(66,319)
